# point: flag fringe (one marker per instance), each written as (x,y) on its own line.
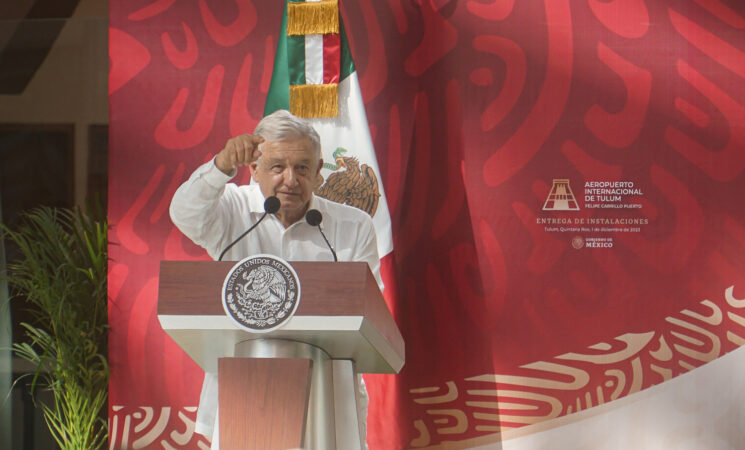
(313,17)
(314,100)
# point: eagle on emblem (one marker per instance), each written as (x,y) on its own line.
(264,284)
(354,186)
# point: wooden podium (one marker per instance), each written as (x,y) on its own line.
(294,387)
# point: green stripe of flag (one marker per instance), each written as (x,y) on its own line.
(296,59)
(279,88)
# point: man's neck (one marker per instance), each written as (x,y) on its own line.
(287,219)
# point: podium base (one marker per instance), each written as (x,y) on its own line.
(332,415)
(262,402)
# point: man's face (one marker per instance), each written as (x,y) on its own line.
(287,170)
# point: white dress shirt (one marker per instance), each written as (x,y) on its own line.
(213,212)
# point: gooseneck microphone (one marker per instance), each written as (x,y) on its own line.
(271,205)
(314,218)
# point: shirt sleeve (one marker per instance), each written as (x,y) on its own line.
(197,210)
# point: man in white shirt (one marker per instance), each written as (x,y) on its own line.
(284,157)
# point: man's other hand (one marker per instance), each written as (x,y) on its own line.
(239,151)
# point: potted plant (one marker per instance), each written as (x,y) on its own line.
(60,275)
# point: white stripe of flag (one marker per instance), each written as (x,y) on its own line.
(313,59)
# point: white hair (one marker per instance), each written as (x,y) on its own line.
(281,125)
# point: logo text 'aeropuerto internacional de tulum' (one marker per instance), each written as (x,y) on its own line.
(595,215)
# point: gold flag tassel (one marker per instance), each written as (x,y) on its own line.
(313,17)
(314,100)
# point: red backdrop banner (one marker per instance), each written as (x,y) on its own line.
(565,181)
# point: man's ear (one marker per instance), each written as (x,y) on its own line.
(254,168)
(319,177)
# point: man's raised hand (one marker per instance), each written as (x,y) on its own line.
(239,151)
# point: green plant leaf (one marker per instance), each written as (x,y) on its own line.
(61,280)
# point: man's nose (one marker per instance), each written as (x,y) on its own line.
(290,177)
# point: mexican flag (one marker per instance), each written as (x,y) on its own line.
(314,77)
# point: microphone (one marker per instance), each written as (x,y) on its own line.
(314,218)
(271,206)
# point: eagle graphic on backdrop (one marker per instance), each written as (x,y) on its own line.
(354,185)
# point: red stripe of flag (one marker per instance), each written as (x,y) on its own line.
(331,58)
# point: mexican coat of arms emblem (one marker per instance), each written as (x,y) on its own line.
(261,293)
